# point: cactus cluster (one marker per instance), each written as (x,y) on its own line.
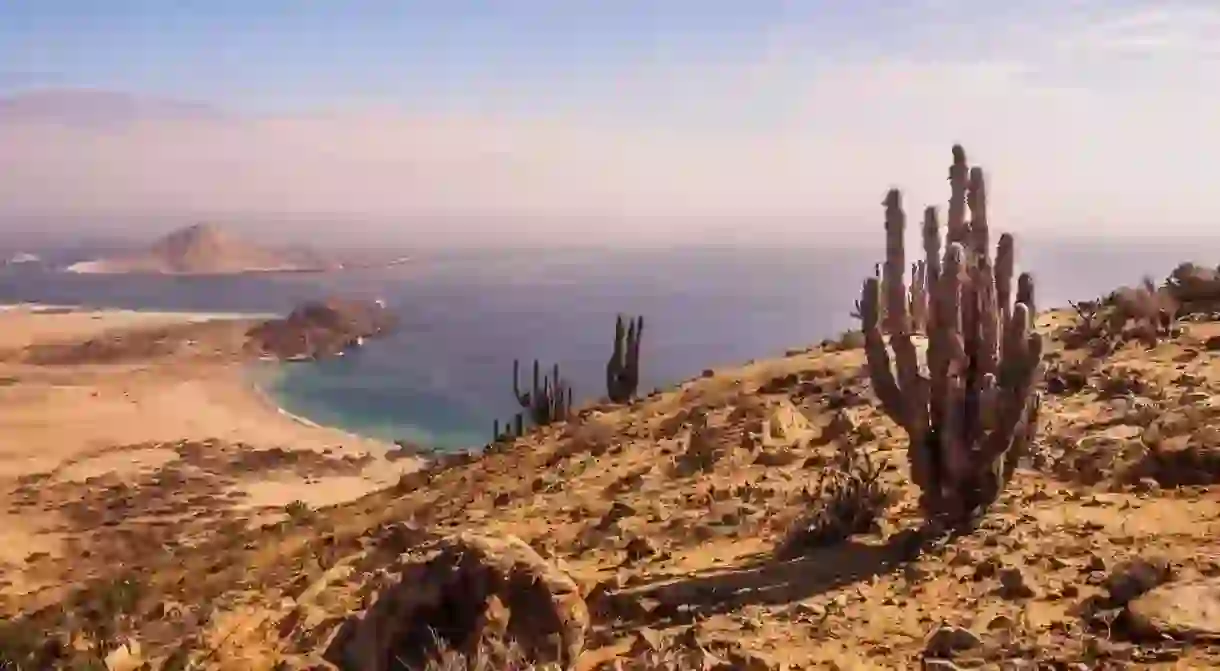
(549,399)
(623,368)
(972,415)
(513,428)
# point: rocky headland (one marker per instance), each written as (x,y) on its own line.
(320,329)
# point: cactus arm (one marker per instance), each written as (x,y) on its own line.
(913,387)
(1025,294)
(956,228)
(523,399)
(1005,260)
(876,354)
(633,360)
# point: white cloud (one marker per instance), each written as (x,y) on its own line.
(1073,140)
(1158,30)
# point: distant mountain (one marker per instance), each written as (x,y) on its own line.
(206,249)
(95,108)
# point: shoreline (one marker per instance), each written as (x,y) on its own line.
(183,425)
(264,375)
(189,316)
(257,373)
(175,421)
(200,385)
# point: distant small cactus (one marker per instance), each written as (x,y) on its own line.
(623,368)
(547,400)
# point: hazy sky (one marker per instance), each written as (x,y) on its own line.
(673,118)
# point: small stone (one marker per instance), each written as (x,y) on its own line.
(640,548)
(987,569)
(646,640)
(1000,622)
(1014,584)
(811,610)
(948,639)
(126,657)
(962,558)
(1096,563)
(1133,578)
(748,660)
(1147,486)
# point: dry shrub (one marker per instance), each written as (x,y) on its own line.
(492,655)
(1102,324)
(1090,328)
(849,497)
(1123,382)
(505,656)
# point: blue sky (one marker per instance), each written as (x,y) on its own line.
(284,56)
(1090,113)
(278,55)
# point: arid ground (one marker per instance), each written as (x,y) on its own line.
(121,431)
(146,521)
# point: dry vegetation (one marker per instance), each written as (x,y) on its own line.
(760,518)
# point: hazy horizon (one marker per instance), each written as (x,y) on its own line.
(628,124)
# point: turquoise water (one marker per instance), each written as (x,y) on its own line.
(443,376)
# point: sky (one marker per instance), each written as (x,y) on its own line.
(621,121)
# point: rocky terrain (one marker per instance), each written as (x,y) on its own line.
(670,522)
(320,328)
(207,249)
(771,516)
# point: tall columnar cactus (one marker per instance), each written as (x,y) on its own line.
(623,368)
(548,399)
(971,416)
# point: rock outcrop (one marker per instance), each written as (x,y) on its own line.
(319,329)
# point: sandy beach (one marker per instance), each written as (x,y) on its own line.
(161,407)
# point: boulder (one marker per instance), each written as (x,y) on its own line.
(1184,611)
(477,593)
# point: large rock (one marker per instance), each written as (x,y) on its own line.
(320,328)
(1187,610)
(477,592)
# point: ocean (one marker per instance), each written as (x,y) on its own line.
(442,377)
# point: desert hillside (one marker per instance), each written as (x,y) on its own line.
(672,520)
(965,482)
(206,249)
